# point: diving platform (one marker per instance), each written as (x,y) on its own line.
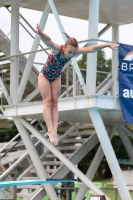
(73,109)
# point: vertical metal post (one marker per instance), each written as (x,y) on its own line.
(32,56)
(67,194)
(92,57)
(116,194)
(15,188)
(115,37)
(67,82)
(126,142)
(74,82)
(35,158)
(108,150)
(14,68)
(93,167)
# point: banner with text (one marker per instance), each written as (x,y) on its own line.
(126,81)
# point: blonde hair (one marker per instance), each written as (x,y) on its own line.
(71,41)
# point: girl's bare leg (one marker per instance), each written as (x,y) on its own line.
(55,92)
(45,90)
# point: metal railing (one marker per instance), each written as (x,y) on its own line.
(70,193)
(71,87)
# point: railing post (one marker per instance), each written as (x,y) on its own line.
(116,194)
(115,37)
(92,57)
(74,82)
(67,82)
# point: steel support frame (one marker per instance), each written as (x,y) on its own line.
(105,88)
(127,130)
(4,90)
(109,153)
(23,124)
(74,82)
(31,95)
(115,37)
(108,26)
(76,67)
(92,57)
(125,140)
(61,157)
(35,157)
(94,166)
(14,65)
(30,60)
(17,92)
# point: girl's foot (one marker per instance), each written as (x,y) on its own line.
(53,138)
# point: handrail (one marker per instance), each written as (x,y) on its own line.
(30,52)
(96,40)
(21,54)
(112,184)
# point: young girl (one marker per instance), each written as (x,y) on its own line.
(49,79)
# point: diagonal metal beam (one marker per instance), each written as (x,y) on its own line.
(31,95)
(5,91)
(128,145)
(127,130)
(94,166)
(104,30)
(41,172)
(109,153)
(32,56)
(76,67)
(61,157)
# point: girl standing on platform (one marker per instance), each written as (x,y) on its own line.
(49,79)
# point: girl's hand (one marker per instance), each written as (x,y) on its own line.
(38,30)
(113,46)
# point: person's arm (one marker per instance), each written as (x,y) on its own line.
(97,47)
(47,40)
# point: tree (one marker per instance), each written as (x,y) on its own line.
(103,65)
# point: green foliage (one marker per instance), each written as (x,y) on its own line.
(119,150)
(86,161)
(6,134)
(103,65)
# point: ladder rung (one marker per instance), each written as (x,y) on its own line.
(24,195)
(28,187)
(53,156)
(53,163)
(84,133)
(67,148)
(69,141)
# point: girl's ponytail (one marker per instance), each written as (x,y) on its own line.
(71,41)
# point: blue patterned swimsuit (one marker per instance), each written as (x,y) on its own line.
(53,67)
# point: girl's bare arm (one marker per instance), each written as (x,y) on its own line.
(47,40)
(97,47)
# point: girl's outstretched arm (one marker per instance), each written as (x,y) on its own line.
(97,47)
(47,40)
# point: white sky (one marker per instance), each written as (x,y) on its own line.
(73,27)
